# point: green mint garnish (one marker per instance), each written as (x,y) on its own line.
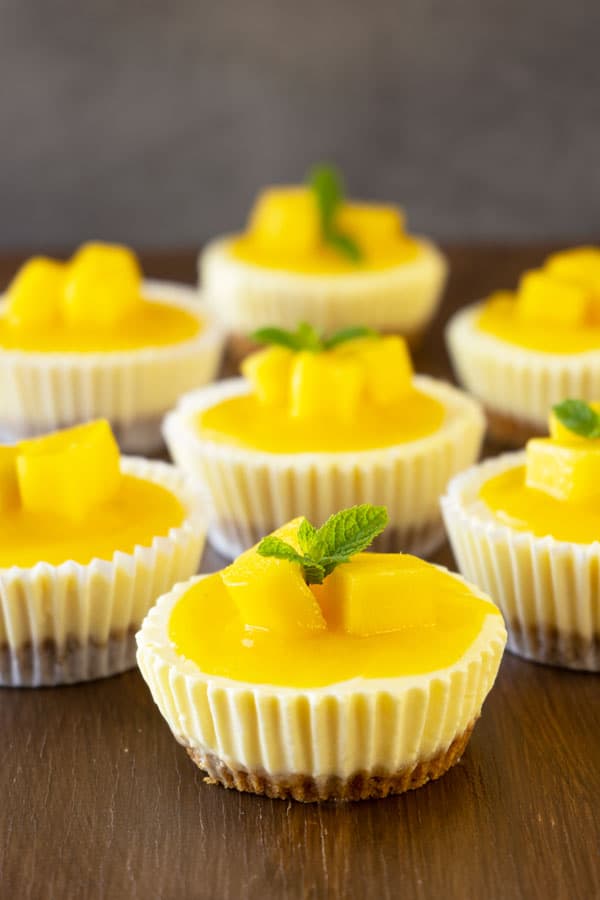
(347,334)
(579,417)
(308,338)
(343,535)
(328,187)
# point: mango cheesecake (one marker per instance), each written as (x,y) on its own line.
(311,670)
(521,352)
(321,423)
(526,527)
(90,338)
(88,541)
(309,254)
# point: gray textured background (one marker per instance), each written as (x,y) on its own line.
(155,122)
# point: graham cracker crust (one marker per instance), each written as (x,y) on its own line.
(308,789)
(508,431)
(47,663)
(547,645)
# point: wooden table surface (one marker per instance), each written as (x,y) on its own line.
(98,801)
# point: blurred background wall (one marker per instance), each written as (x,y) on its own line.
(155,121)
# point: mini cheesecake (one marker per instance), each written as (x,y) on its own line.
(316,429)
(88,541)
(365,685)
(526,527)
(285,268)
(89,338)
(521,352)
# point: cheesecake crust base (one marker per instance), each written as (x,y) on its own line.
(547,645)
(309,789)
(47,664)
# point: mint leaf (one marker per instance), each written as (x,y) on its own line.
(312,570)
(309,338)
(276,336)
(348,334)
(327,184)
(346,245)
(328,187)
(347,533)
(274,546)
(579,417)
(306,337)
(343,535)
(306,534)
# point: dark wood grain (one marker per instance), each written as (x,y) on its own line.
(98,801)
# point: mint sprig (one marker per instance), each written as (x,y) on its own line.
(328,187)
(308,338)
(579,417)
(343,535)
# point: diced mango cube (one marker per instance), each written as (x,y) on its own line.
(103,285)
(388,367)
(326,384)
(272,594)
(70,472)
(374,226)
(268,371)
(560,432)
(286,220)
(580,265)
(379,592)
(35,293)
(9,488)
(549,300)
(567,470)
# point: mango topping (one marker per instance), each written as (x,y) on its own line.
(97,289)
(272,594)
(286,220)
(374,226)
(103,285)
(388,367)
(545,298)
(269,373)
(277,587)
(325,383)
(379,592)
(561,432)
(566,465)
(313,229)
(332,383)
(68,473)
(567,470)
(580,265)
(35,293)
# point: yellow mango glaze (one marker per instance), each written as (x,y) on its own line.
(151,324)
(138,512)
(529,509)
(499,317)
(206,629)
(245,422)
